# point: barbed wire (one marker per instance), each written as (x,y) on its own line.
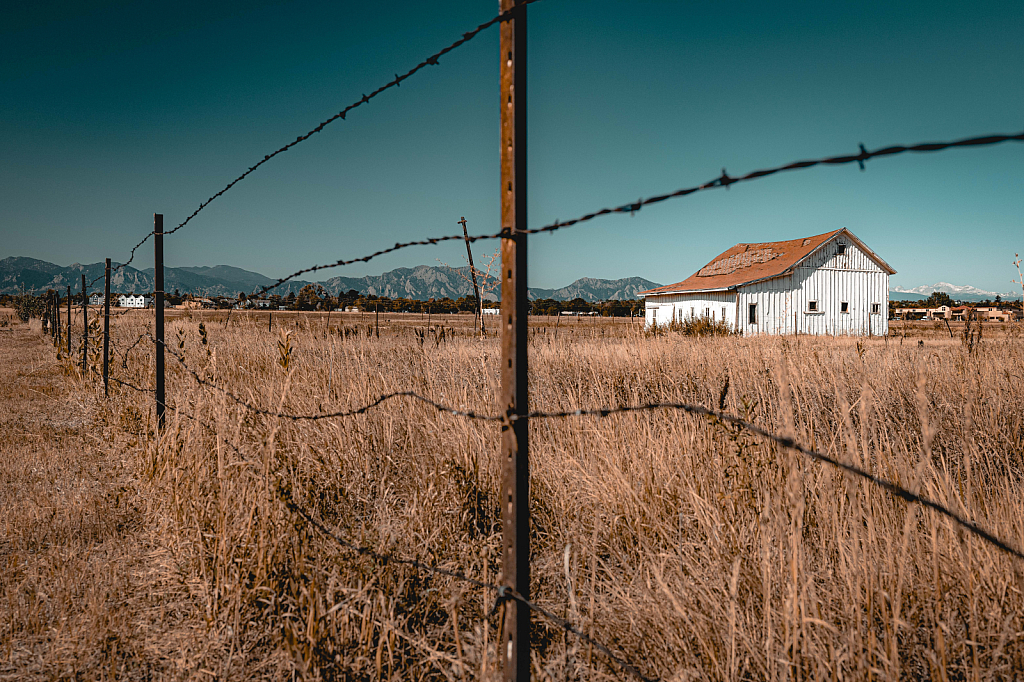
(784,441)
(121,266)
(504,593)
(432,60)
(724,180)
(330,415)
(791,444)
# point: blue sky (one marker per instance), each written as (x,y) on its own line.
(112,111)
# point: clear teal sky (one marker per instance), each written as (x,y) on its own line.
(111,111)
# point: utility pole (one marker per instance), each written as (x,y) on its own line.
(106,329)
(472,271)
(515,468)
(85,327)
(158,301)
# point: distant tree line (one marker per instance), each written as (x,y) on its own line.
(312,297)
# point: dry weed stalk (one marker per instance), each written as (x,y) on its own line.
(698,551)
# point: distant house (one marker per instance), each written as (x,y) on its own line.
(943,312)
(133,301)
(831,283)
(96,299)
(492,311)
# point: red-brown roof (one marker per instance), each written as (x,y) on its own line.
(746,263)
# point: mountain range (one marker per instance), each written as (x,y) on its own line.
(422,282)
(955,291)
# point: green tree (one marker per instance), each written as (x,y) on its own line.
(938,298)
(308,299)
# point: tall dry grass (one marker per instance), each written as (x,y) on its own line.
(692,547)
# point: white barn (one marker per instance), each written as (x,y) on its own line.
(827,284)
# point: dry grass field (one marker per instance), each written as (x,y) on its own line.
(693,549)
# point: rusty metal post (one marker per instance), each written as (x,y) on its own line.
(69,323)
(515,466)
(158,301)
(106,329)
(85,328)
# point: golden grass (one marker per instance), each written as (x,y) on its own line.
(696,550)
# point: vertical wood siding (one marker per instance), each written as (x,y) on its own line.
(783,302)
(665,309)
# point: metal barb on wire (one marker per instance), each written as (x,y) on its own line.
(395,82)
(331,415)
(569,627)
(379,557)
(503,592)
(787,442)
(131,257)
(722,181)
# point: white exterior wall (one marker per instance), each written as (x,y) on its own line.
(829,279)
(782,302)
(666,308)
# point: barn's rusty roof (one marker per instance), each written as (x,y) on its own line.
(746,263)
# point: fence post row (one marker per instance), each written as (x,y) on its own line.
(515,470)
(85,327)
(158,301)
(106,329)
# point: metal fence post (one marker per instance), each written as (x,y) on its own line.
(158,301)
(106,329)
(515,486)
(68,326)
(85,328)
(55,300)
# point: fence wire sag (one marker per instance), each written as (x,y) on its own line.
(723,180)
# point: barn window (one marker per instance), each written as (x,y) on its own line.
(876,308)
(691,312)
(753,313)
(723,313)
(844,307)
(812,306)
(840,249)
(707,313)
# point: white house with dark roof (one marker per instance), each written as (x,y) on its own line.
(133,301)
(831,283)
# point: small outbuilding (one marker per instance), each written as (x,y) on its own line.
(831,283)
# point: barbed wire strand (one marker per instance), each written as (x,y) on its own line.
(786,442)
(791,444)
(331,415)
(722,181)
(121,266)
(432,60)
(504,593)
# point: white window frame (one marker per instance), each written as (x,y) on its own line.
(876,308)
(812,307)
